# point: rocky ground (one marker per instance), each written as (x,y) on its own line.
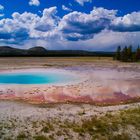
(22,121)
(68,121)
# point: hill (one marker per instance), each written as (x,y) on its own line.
(6,51)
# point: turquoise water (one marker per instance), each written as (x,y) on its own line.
(36,78)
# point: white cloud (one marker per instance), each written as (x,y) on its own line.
(1,10)
(100,29)
(1,7)
(34,2)
(129,22)
(82,2)
(77,25)
(66,8)
(106,40)
(46,25)
(1,15)
(28,26)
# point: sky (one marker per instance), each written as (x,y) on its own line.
(96,25)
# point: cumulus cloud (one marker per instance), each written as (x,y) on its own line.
(10,30)
(48,21)
(82,2)
(77,25)
(101,27)
(34,2)
(127,23)
(27,25)
(66,8)
(45,27)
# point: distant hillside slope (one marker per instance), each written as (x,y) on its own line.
(40,51)
(37,51)
(9,51)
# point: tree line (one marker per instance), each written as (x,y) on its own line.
(127,54)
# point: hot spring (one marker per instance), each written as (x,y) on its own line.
(38,77)
(105,86)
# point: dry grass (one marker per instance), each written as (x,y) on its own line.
(21,62)
(123,125)
(39,62)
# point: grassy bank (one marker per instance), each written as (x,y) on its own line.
(123,125)
(33,62)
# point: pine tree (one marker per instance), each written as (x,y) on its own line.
(118,53)
(129,53)
(124,54)
(138,53)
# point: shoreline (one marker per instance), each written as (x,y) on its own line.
(93,87)
(80,79)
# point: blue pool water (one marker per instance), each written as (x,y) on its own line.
(36,78)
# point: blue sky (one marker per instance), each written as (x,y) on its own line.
(124,6)
(70,24)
